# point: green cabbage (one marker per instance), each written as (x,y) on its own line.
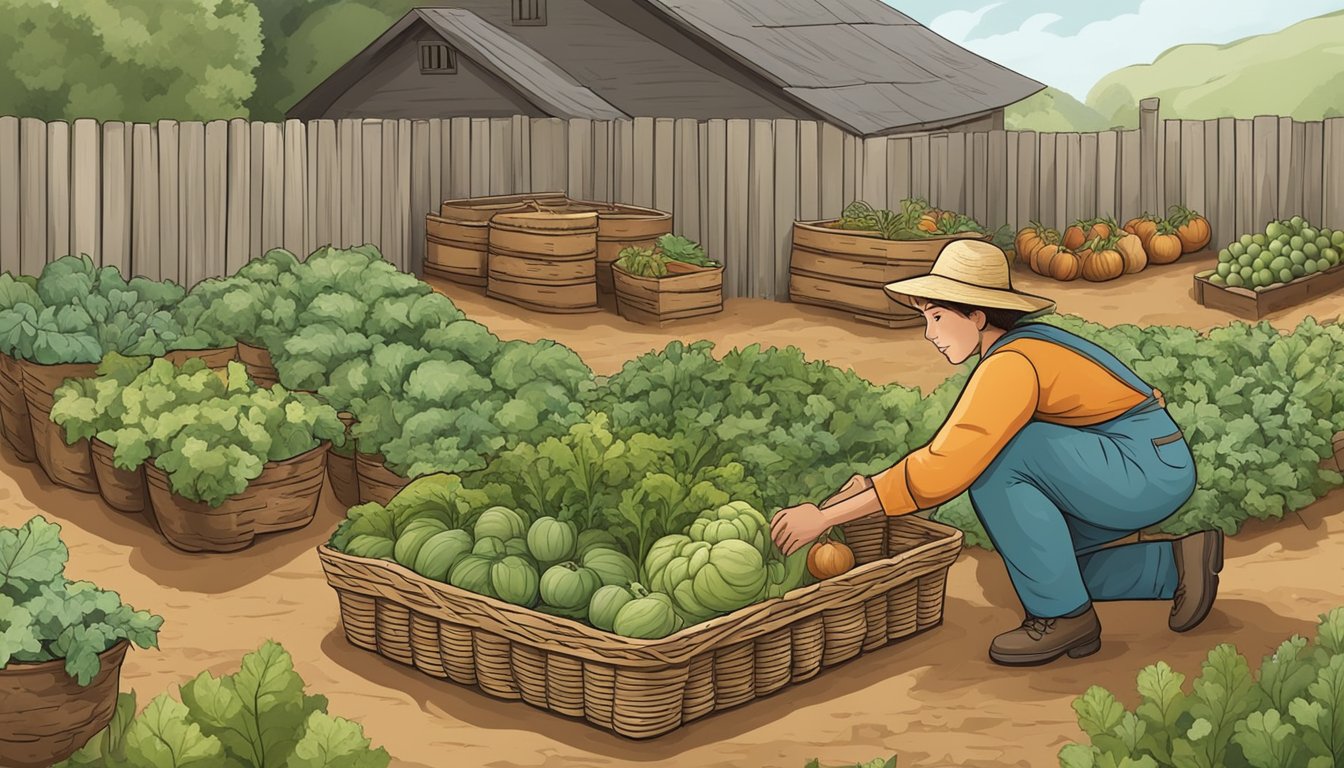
(551,540)
(569,586)
(704,579)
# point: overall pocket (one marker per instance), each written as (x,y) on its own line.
(1173,451)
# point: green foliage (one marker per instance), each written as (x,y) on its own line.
(258,717)
(877,762)
(1287,716)
(1053,111)
(44,616)
(133,60)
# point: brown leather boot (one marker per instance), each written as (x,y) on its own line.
(1199,558)
(1039,641)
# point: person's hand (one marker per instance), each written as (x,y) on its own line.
(795,527)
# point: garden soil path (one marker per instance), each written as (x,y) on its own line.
(934,699)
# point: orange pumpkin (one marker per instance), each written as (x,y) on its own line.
(1099,228)
(928,223)
(1104,263)
(1030,239)
(1144,226)
(1057,262)
(1074,236)
(827,559)
(1131,248)
(1191,228)
(1165,246)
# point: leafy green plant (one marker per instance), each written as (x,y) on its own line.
(877,762)
(44,616)
(685,250)
(653,262)
(1286,716)
(258,717)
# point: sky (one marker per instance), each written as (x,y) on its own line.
(1071,44)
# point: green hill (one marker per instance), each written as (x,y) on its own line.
(1297,72)
(1053,110)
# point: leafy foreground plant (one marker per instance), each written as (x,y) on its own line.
(877,762)
(257,717)
(1289,716)
(45,616)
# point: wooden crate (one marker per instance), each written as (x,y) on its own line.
(1254,305)
(690,291)
(646,688)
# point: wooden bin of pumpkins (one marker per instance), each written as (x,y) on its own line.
(1099,249)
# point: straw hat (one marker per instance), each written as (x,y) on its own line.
(973,272)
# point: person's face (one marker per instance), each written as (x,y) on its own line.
(955,335)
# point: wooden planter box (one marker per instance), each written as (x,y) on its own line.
(846,269)
(688,291)
(65,464)
(544,261)
(646,688)
(14,420)
(282,498)
(46,716)
(1254,305)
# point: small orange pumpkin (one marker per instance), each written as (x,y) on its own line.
(1144,226)
(1030,240)
(1054,261)
(1165,246)
(1192,228)
(1099,228)
(1131,248)
(829,558)
(1074,236)
(1102,261)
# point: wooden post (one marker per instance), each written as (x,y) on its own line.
(1149,140)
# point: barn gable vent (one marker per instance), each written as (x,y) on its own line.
(529,13)
(437,59)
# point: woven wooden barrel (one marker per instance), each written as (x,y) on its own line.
(624,226)
(123,490)
(66,464)
(46,715)
(845,269)
(376,483)
(257,361)
(544,261)
(457,238)
(18,430)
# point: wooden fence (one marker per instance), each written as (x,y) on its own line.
(188,201)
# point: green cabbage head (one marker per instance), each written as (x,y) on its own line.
(704,579)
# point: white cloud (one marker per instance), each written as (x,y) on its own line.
(1074,63)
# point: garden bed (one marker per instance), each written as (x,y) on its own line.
(45,714)
(646,688)
(1254,305)
(687,291)
(66,464)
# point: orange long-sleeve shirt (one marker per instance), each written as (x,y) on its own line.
(1024,379)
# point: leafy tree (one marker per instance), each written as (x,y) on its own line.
(128,59)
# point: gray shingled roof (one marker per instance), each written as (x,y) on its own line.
(860,63)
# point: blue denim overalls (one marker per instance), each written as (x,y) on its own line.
(1057,494)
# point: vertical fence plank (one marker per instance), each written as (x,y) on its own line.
(116,208)
(921,185)
(1085,178)
(716,188)
(421,192)
(32,174)
(310,188)
(898,170)
(371,175)
(1028,178)
(1245,176)
(702,144)
(874,176)
(1332,203)
(1131,174)
(238,231)
(786,205)
(520,152)
(1212,189)
(1108,177)
(349,137)
(170,200)
(977,176)
(1172,192)
(58,189)
(1068,151)
(624,154)
(737,261)
(1265,205)
(1292,167)
(393,235)
(849,168)
(642,189)
(327,183)
(809,170)
(1192,158)
(145,249)
(937,170)
(579,159)
(86,187)
(501,157)
(954,175)
(1150,169)
(191,214)
(996,179)
(602,166)
(436,164)
(216,204)
(1225,216)
(257,194)
(481,147)
(401,216)
(1011,171)
(686,178)
(761,210)
(831,169)
(461,158)
(11,241)
(1048,215)
(664,163)
(273,187)
(1313,171)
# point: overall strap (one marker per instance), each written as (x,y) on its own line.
(1093,352)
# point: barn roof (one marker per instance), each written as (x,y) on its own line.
(860,63)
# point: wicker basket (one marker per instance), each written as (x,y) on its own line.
(646,688)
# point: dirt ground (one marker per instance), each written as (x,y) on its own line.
(935,699)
